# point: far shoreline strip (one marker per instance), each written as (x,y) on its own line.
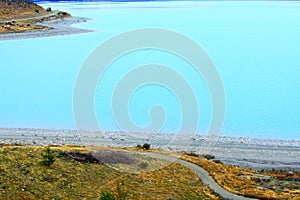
(59,27)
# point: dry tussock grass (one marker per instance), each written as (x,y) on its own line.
(23,177)
(242,181)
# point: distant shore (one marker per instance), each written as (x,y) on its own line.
(56,27)
(25,20)
(260,154)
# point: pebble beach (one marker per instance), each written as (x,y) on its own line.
(260,154)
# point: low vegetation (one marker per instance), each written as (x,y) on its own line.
(145,146)
(48,157)
(49,9)
(251,183)
(13,8)
(73,172)
(22,176)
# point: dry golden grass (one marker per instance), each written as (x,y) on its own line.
(23,177)
(242,181)
(19,28)
(12,9)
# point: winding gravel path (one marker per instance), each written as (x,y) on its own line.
(252,152)
(202,174)
(32,17)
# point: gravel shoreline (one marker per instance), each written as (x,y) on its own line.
(58,27)
(245,152)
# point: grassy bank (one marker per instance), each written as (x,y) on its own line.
(73,174)
(23,176)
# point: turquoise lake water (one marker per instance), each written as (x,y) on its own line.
(254,45)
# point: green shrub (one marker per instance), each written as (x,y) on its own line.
(49,9)
(146,146)
(106,195)
(109,195)
(218,161)
(208,156)
(37,10)
(48,157)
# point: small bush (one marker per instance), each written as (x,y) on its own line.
(3,187)
(37,10)
(208,156)
(109,195)
(218,161)
(49,9)
(146,146)
(48,157)
(191,154)
(106,195)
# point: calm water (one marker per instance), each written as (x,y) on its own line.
(255,46)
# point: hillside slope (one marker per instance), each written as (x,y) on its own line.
(18,16)
(18,8)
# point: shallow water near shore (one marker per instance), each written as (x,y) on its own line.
(255,46)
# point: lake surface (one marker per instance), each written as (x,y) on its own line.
(254,45)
